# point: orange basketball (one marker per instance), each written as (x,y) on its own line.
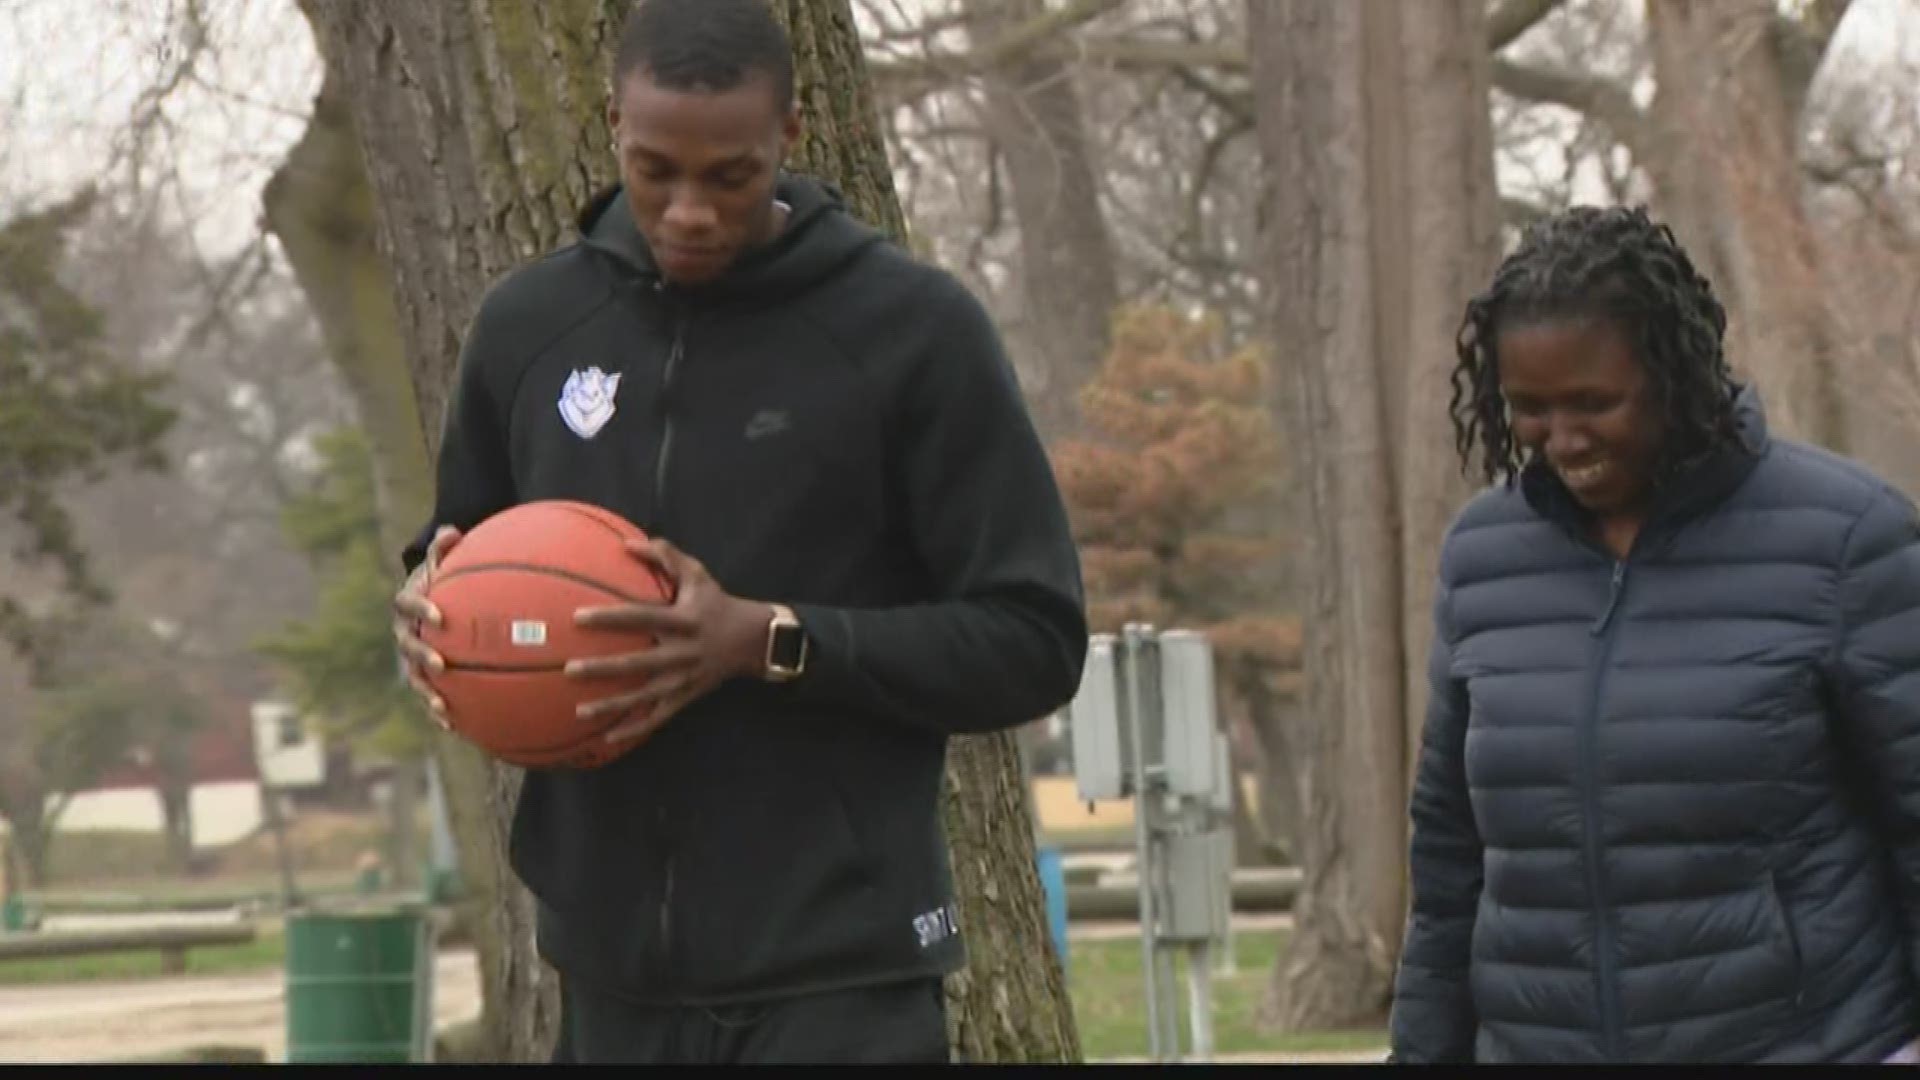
(507,593)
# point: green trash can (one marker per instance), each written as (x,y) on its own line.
(360,985)
(15,915)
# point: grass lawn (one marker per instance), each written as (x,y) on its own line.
(269,950)
(1109,995)
(1110,1002)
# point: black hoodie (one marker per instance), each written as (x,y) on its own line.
(832,425)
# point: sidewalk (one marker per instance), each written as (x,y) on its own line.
(1122,929)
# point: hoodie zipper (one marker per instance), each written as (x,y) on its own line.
(665,451)
(1604,974)
(662,457)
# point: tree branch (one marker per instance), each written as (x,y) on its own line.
(1605,101)
(1017,43)
(1237,105)
(1124,52)
(1800,44)
(1515,17)
(1509,21)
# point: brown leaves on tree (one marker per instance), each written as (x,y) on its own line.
(1170,489)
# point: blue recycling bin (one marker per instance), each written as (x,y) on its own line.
(1053,880)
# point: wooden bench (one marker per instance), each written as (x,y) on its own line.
(171,942)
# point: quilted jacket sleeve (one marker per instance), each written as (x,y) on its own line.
(1877,675)
(1433,1019)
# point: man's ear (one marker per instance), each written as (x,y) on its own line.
(613,122)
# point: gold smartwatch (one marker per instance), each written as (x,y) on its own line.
(786,645)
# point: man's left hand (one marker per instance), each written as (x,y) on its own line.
(702,639)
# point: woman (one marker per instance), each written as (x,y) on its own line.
(1668,798)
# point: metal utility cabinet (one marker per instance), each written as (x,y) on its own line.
(1144,726)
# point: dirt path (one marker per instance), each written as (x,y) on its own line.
(101,1021)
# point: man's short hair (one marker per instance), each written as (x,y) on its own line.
(705,45)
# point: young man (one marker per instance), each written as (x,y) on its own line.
(827,445)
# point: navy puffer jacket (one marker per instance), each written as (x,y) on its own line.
(1667,807)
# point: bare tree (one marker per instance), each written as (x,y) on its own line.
(1067,277)
(1727,171)
(1384,219)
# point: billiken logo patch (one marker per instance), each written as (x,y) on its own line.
(586,402)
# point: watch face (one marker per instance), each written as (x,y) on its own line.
(788,642)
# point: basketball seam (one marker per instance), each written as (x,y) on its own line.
(532,568)
(581,511)
(586,510)
(509,669)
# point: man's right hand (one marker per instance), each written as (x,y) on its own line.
(410,610)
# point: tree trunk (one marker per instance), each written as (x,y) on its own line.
(403,810)
(11,873)
(1728,178)
(1273,708)
(32,847)
(176,814)
(171,747)
(1372,118)
(319,205)
(1068,289)
(271,806)
(482,131)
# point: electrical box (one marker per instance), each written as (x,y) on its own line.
(1140,698)
(1197,892)
(1102,757)
(1190,732)
(1225,781)
(1144,725)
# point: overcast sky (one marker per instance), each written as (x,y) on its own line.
(72,73)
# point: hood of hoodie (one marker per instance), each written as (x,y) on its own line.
(819,237)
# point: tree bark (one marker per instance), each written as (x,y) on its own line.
(482,131)
(1068,284)
(1372,117)
(1729,181)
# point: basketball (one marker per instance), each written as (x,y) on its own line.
(507,593)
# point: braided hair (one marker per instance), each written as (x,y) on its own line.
(1614,264)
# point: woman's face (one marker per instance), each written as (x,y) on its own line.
(1577,396)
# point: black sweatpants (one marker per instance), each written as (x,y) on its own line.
(903,1023)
